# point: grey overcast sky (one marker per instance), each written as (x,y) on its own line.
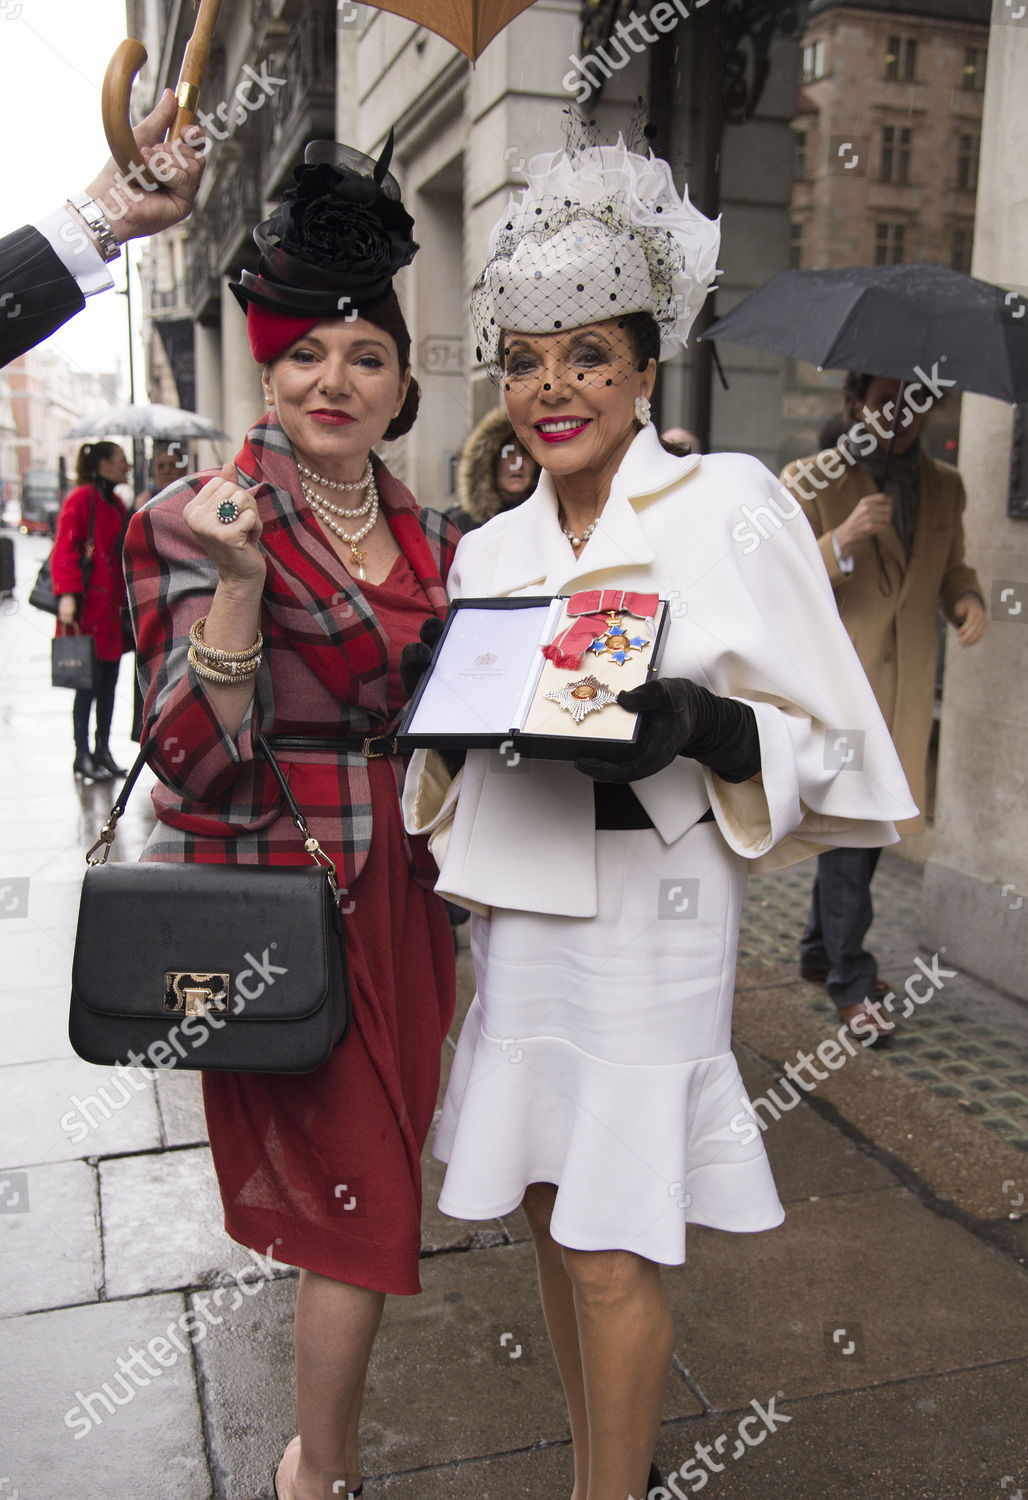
(53,54)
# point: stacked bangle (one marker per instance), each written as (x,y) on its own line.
(230,668)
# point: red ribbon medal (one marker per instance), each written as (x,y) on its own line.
(599,627)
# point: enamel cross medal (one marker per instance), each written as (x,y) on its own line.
(615,643)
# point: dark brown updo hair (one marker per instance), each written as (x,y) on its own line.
(388,316)
(89,456)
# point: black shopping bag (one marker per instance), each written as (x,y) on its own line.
(73,661)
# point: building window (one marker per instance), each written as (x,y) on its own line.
(889,244)
(813,61)
(960,248)
(901,58)
(795,246)
(799,158)
(967,161)
(974,67)
(895,164)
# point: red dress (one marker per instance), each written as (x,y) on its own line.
(323,1168)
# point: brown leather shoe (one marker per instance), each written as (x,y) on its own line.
(820,976)
(865,1024)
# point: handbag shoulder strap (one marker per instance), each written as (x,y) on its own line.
(105,837)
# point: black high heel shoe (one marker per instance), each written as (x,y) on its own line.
(655,1481)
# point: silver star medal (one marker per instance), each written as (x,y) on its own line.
(582,697)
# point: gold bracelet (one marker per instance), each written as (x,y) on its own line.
(214,653)
(231,674)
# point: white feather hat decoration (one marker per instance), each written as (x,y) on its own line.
(596,234)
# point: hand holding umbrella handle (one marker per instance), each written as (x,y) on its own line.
(121,74)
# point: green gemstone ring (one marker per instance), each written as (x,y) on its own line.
(227,512)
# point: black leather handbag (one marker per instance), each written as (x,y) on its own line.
(238,968)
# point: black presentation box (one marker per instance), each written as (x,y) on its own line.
(488,682)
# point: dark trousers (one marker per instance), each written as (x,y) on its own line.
(840,914)
(103,691)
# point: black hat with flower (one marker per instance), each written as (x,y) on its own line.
(336,241)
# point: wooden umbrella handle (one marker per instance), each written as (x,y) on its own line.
(121,74)
(114,105)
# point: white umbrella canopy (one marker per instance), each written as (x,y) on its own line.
(147,421)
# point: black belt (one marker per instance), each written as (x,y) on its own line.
(371,746)
(617,807)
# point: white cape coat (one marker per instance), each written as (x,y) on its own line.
(757,624)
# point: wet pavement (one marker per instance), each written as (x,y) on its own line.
(874,1347)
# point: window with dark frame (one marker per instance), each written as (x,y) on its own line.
(799,157)
(895,157)
(974,68)
(967,161)
(889,244)
(901,58)
(795,246)
(961,242)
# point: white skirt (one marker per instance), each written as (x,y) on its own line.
(596,1056)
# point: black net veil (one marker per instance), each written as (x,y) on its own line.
(600,232)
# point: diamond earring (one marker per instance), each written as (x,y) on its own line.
(642,410)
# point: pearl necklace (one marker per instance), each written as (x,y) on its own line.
(340,484)
(318,505)
(577,541)
(337,510)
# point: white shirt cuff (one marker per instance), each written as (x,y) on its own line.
(845,563)
(76,251)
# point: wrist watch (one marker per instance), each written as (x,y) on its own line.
(91,212)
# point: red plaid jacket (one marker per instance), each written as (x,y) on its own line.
(323,672)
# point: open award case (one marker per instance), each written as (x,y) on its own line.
(489,683)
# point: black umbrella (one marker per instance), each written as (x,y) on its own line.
(908,322)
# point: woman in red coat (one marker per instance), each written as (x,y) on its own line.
(90,585)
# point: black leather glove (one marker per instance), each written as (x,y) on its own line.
(682,718)
(416,655)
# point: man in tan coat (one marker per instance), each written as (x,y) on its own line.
(892,538)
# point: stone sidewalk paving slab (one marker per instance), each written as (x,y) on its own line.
(180,1101)
(143,1442)
(162,1223)
(103,1113)
(34,1026)
(942,1437)
(461,1371)
(914,1293)
(49,1238)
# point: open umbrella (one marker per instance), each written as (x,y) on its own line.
(153,421)
(469,24)
(907,322)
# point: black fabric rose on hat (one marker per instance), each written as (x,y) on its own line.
(343,222)
(339,236)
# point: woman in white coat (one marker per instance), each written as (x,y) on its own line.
(594,1080)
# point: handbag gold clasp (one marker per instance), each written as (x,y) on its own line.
(196,992)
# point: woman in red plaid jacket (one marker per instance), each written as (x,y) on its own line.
(311,543)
